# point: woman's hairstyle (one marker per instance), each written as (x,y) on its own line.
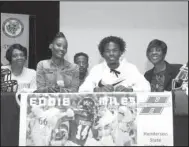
(11,48)
(59,35)
(81,54)
(117,40)
(157,44)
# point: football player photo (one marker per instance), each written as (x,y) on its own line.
(102,129)
(45,126)
(82,123)
(125,128)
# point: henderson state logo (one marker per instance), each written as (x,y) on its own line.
(154,105)
(12,27)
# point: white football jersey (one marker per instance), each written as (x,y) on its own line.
(43,123)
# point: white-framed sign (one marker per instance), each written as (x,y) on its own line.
(96,119)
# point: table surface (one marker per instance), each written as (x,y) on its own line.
(10,122)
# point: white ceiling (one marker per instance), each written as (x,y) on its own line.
(108,14)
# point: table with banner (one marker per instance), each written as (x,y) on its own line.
(95,119)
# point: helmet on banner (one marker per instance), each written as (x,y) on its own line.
(87,104)
(125,114)
(60,134)
(8,85)
(181,79)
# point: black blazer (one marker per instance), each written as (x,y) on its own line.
(171,72)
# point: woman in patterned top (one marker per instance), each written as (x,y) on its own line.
(57,74)
(162,74)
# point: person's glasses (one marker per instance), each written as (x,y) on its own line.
(18,55)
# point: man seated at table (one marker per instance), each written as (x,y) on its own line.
(114,74)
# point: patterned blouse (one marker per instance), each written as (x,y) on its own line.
(48,75)
(157,83)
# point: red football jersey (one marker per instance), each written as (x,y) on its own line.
(80,126)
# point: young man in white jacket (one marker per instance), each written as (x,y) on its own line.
(114,74)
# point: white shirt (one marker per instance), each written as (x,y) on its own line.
(26,80)
(128,72)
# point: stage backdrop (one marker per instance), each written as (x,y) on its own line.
(14,29)
(86,23)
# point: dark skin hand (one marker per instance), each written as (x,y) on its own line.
(57,89)
(122,88)
(52,89)
(106,88)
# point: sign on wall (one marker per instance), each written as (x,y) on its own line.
(98,119)
(14,29)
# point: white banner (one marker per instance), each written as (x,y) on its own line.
(96,119)
(14,29)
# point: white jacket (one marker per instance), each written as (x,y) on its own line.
(128,72)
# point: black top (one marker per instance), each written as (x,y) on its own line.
(170,73)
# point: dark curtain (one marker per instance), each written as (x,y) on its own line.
(44,24)
(32,42)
